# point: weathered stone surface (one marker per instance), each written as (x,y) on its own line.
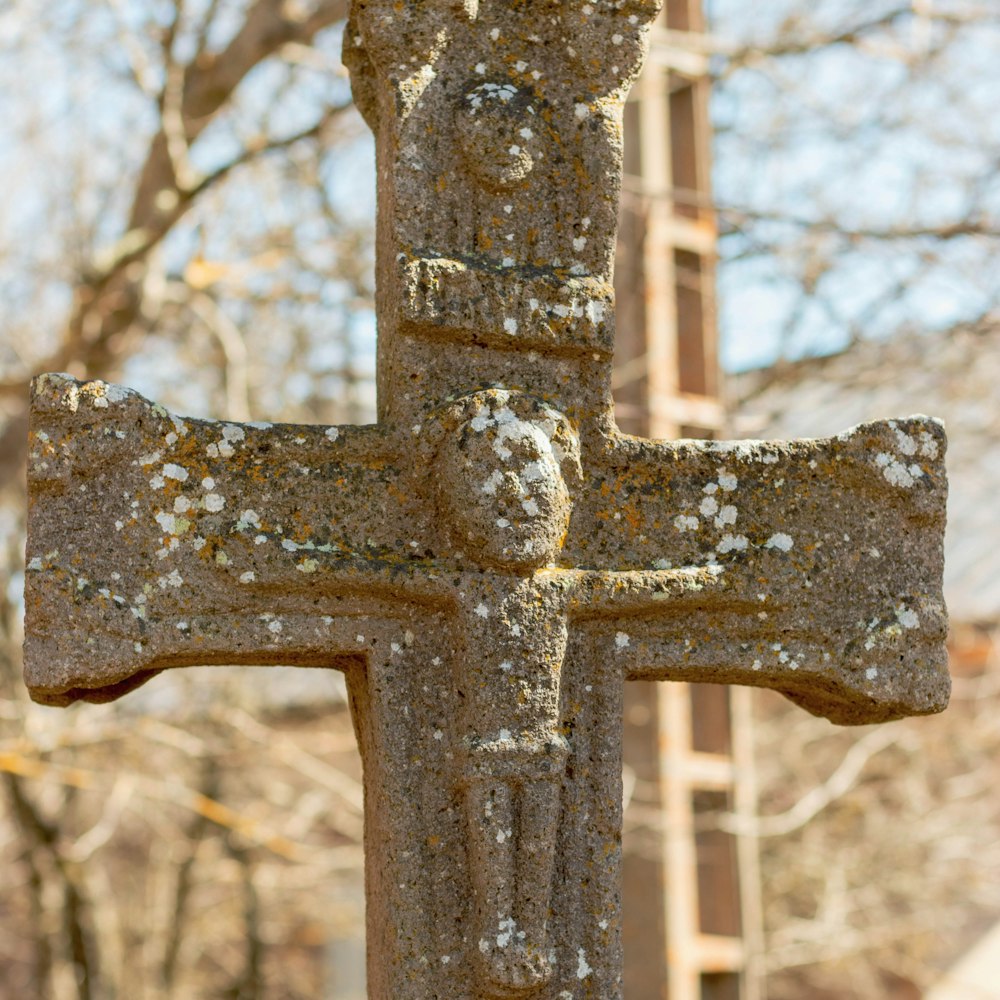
(491,561)
(158,541)
(486,602)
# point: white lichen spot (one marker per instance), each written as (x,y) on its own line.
(481,68)
(173,580)
(685,522)
(208,483)
(198,542)
(780,541)
(248,519)
(895,472)
(275,626)
(530,507)
(581,111)
(727,515)
(579,243)
(622,639)
(907,617)
(871,673)
(727,481)
(756,665)
(168,522)
(710,488)
(157,482)
(482,610)
(906,444)
(151,459)
(709,506)
(733,543)
(248,577)
(582,968)
(307,566)
(35,564)
(595,311)
(214,502)
(173,471)
(510,325)
(181,505)
(331,433)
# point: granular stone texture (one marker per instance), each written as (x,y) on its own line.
(493,559)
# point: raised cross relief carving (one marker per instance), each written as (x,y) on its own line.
(491,561)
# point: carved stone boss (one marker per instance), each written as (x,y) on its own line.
(490,561)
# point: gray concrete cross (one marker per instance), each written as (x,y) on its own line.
(492,560)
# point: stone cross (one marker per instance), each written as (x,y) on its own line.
(492,560)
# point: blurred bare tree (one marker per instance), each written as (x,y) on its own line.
(857,169)
(856,173)
(187,207)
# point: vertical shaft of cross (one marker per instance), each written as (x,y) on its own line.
(499,139)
